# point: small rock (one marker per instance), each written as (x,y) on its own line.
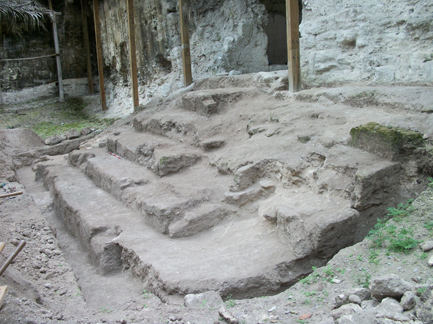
(340,300)
(235,72)
(430,261)
(389,286)
(347,309)
(336,281)
(48,286)
(53,140)
(272,309)
(73,133)
(63,291)
(116,133)
(391,309)
(86,131)
(362,293)
(355,299)
(305,316)
(426,246)
(227,316)
(408,300)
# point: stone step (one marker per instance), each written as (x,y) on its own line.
(241,256)
(161,155)
(171,205)
(211,101)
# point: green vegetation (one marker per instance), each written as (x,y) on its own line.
(387,234)
(48,118)
(230,302)
(364,279)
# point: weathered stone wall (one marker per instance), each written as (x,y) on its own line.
(379,42)
(30,73)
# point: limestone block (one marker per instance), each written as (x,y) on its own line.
(389,286)
(408,301)
(206,299)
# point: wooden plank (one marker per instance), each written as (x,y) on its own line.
(12,257)
(184,31)
(87,45)
(3,292)
(11,194)
(99,54)
(57,50)
(293,62)
(132,53)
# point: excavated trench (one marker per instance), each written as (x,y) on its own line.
(227,189)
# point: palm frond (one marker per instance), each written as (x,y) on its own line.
(23,14)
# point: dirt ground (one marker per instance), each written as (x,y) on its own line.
(53,281)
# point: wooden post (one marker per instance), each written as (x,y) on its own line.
(293,62)
(184,31)
(132,53)
(99,54)
(87,45)
(57,50)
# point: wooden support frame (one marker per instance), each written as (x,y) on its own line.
(132,53)
(87,45)
(99,54)
(57,49)
(184,31)
(293,62)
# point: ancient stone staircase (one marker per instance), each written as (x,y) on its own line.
(186,206)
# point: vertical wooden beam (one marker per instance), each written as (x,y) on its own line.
(99,54)
(87,44)
(184,31)
(293,62)
(132,53)
(57,49)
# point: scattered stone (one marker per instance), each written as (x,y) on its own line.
(430,261)
(336,281)
(272,309)
(347,309)
(208,299)
(234,72)
(227,316)
(340,300)
(369,304)
(53,140)
(389,286)
(305,316)
(48,286)
(426,246)
(212,144)
(354,299)
(85,131)
(408,300)
(362,293)
(391,309)
(72,134)
(116,133)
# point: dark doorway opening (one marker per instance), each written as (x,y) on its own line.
(276,30)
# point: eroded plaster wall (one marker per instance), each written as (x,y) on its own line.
(378,42)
